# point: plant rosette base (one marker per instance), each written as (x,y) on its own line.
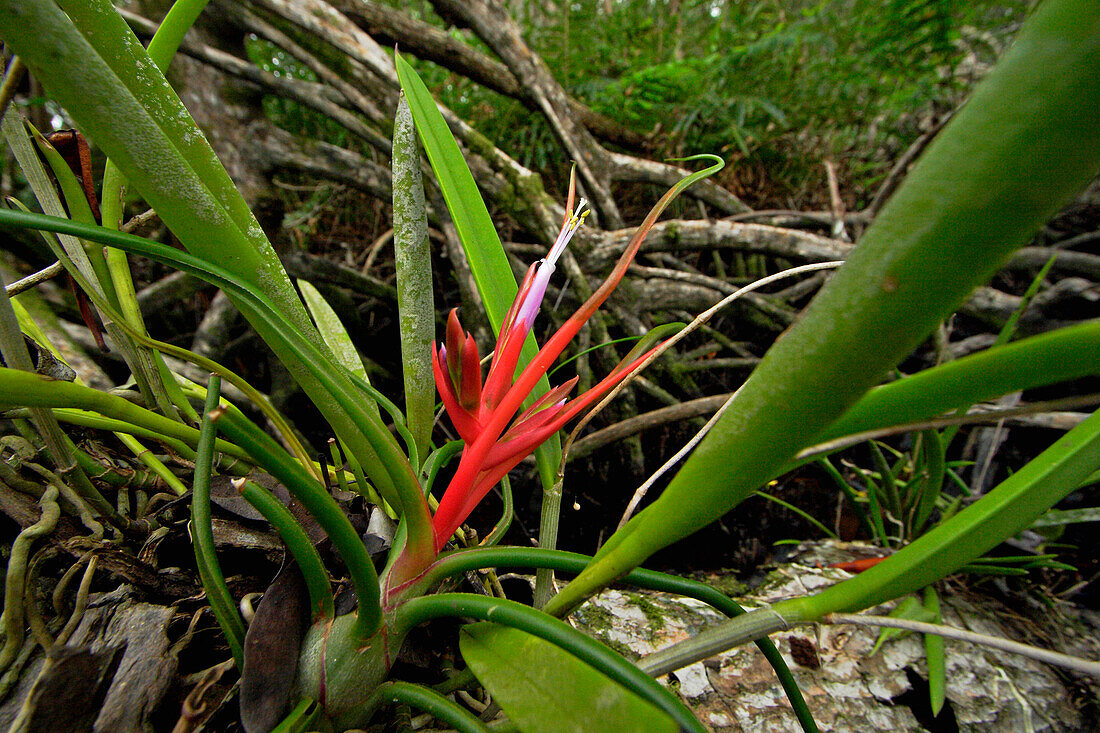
(341,671)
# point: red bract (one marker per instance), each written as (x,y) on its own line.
(483,413)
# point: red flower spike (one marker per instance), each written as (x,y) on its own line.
(492,447)
(509,345)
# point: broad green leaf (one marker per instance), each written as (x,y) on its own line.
(545,689)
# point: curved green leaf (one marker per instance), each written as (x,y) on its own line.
(1027,140)
(949,546)
(488,262)
(332,330)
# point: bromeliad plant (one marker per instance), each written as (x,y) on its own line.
(1027,140)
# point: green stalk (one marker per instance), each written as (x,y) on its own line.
(507,513)
(13,76)
(949,546)
(795,510)
(441,708)
(838,479)
(153,463)
(337,465)
(509,613)
(1008,331)
(1027,140)
(888,484)
(935,654)
(480,558)
(202,533)
(30,390)
(297,542)
(324,509)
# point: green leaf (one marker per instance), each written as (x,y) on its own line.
(488,262)
(1062,517)
(413,262)
(934,653)
(1025,142)
(332,330)
(910,608)
(543,688)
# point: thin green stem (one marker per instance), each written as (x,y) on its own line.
(549,520)
(838,479)
(338,465)
(501,528)
(430,701)
(568,562)
(792,508)
(153,463)
(324,509)
(25,389)
(509,613)
(12,77)
(887,482)
(202,533)
(297,541)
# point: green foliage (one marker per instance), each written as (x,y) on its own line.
(786,81)
(544,688)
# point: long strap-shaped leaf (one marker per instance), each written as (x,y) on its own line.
(1003,512)
(1026,141)
(488,262)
